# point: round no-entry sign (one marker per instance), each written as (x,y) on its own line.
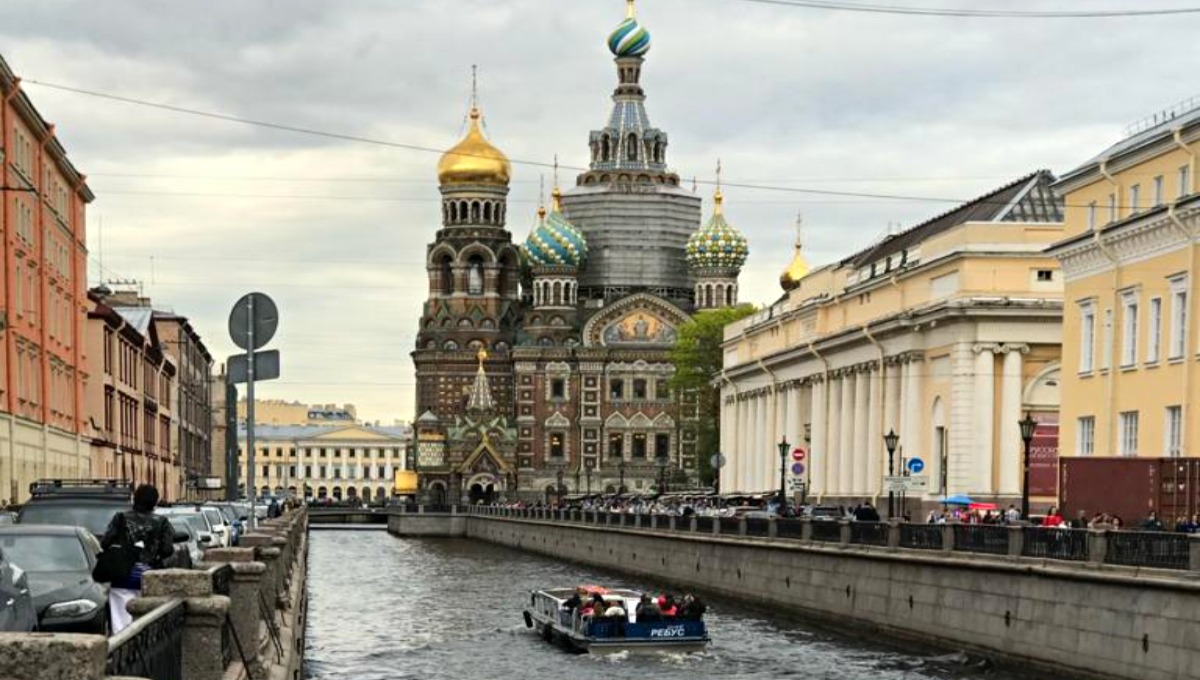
(799,453)
(798,468)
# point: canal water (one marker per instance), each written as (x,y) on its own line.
(382,607)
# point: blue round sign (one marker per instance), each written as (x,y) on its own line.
(797,468)
(915,465)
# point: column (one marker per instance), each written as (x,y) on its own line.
(846,440)
(875,411)
(985,416)
(910,436)
(833,436)
(862,391)
(762,453)
(818,450)
(748,462)
(1011,395)
(727,434)
(793,430)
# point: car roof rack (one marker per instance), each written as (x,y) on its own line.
(79,487)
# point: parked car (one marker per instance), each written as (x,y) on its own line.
(17,614)
(823,513)
(199,522)
(222,529)
(188,537)
(235,517)
(58,562)
(87,503)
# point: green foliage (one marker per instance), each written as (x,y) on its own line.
(698,358)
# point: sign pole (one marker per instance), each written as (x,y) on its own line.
(231,447)
(250,489)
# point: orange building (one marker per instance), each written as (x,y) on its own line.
(43,368)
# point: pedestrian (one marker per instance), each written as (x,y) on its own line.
(136,541)
(1152,523)
(1080,521)
(1012,514)
(1053,518)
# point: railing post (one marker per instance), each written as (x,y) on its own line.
(772,528)
(1194,553)
(266,552)
(202,658)
(692,524)
(845,532)
(893,537)
(47,655)
(243,597)
(741,526)
(671,522)
(806,529)
(1098,546)
(948,537)
(621,519)
(1016,540)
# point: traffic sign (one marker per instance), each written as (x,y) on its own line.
(254,312)
(799,453)
(906,484)
(915,465)
(717,461)
(797,468)
(266,367)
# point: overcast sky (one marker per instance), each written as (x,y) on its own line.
(202,211)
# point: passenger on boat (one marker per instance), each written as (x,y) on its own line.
(692,609)
(576,601)
(616,613)
(647,610)
(666,604)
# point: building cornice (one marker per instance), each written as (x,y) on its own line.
(1135,239)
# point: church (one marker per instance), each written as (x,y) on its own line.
(543,367)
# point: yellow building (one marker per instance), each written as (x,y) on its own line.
(945,333)
(280,412)
(1129,260)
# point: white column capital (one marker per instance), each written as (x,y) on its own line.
(993,347)
(1018,347)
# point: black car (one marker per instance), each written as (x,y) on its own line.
(58,562)
(87,503)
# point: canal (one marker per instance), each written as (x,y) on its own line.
(447,609)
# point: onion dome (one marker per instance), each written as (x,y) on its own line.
(630,39)
(718,244)
(798,268)
(555,242)
(474,160)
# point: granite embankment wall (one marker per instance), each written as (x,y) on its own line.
(1070,618)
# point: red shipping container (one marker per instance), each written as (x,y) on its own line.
(1130,488)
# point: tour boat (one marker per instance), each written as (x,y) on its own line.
(548,615)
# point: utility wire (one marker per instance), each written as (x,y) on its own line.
(842,6)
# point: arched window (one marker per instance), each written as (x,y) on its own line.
(729,301)
(487,212)
(557,293)
(631,147)
(475,274)
(446,276)
(604,148)
(475,209)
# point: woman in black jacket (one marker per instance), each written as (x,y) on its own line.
(154,539)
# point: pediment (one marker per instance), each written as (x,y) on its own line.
(351,434)
(638,320)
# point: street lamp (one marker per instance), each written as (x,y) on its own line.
(621,469)
(783,454)
(1028,425)
(890,440)
(808,463)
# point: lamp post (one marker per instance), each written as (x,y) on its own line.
(807,464)
(1028,425)
(890,440)
(783,454)
(621,470)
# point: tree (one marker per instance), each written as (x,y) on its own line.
(698,358)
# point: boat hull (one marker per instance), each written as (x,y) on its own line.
(664,637)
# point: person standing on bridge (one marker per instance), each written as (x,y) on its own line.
(135,542)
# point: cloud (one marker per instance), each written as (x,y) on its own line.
(202,211)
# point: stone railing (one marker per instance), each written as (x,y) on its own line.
(239,615)
(1141,549)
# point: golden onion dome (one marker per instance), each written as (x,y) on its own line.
(798,268)
(474,160)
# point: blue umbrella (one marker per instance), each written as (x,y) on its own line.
(958,500)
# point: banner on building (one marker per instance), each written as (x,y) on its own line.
(406,482)
(1043,456)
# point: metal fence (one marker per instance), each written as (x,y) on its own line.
(151,647)
(758,526)
(789,528)
(1056,544)
(991,539)
(704,525)
(1148,549)
(826,531)
(921,536)
(730,525)
(869,533)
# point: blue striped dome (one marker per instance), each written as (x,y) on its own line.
(718,244)
(555,242)
(630,39)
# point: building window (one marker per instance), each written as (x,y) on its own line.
(616,389)
(1129,433)
(1154,332)
(322,453)
(662,389)
(1091,215)
(556,445)
(639,389)
(1179,318)
(1045,275)
(1185,181)
(662,446)
(1087,338)
(337,473)
(558,388)
(639,445)
(1106,355)
(1135,198)
(616,445)
(1112,208)
(266,471)
(292,471)
(1174,431)
(307,471)
(1085,439)
(1129,350)
(1158,191)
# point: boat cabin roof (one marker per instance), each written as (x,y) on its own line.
(609,594)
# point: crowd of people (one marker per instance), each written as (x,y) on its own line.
(588,607)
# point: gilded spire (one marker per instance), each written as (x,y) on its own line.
(631,10)
(474,160)
(541,211)
(481,392)
(556,193)
(718,197)
(798,268)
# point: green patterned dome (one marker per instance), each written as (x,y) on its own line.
(629,39)
(555,242)
(718,244)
